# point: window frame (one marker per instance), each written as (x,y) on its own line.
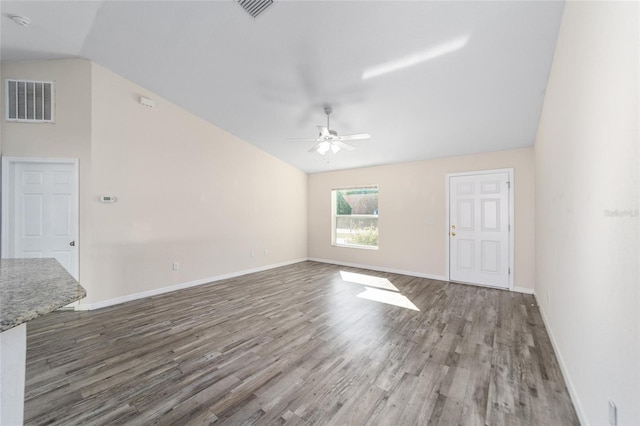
(335,216)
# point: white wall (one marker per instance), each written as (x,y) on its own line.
(413,223)
(587,261)
(188,191)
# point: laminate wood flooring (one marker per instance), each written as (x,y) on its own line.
(300,345)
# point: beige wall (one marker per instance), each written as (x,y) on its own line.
(188,191)
(412,223)
(68,137)
(587,165)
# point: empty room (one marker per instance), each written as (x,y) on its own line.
(320,212)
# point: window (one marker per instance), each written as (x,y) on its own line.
(29,101)
(355,217)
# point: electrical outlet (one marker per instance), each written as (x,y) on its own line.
(176,266)
(252,254)
(266,252)
(613,413)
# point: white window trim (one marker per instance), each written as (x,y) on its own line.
(334,216)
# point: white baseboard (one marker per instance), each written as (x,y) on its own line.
(563,369)
(381,269)
(180,286)
(524,290)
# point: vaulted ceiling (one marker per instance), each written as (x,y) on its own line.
(426,79)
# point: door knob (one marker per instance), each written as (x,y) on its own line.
(453,234)
(72,243)
(453,227)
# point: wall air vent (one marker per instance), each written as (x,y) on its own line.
(29,101)
(255,7)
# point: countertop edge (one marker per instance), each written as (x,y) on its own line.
(8,325)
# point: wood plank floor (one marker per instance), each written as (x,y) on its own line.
(300,345)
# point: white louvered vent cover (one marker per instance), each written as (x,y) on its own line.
(255,7)
(30,101)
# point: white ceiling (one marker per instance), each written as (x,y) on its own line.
(267,79)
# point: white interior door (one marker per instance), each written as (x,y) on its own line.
(479,226)
(40,211)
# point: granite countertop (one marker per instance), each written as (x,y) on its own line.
(30,288)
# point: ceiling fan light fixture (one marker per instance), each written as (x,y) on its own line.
(329,140)
(323,148)
(326,146)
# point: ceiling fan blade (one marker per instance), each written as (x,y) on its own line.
(324,131)
(315,148)
(355,137)
(303,139)
(343,145)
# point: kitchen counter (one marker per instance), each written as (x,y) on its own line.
(30,288)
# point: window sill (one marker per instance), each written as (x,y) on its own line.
(355,247)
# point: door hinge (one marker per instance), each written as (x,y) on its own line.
(508,184)
(509,227)
(509,271)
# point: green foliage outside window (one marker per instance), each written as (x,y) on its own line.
(342,207)
(365,237)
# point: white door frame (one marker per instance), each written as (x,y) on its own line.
(8,167)
(511,218)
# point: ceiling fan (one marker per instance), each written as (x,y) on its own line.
(329,140)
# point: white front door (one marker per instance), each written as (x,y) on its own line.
(479,226)
(40,211)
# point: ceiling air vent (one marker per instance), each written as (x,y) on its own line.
(255,7)
(29,101)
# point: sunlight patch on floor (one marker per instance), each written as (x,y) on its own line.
(379,289)
(368,280)
(388,297)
